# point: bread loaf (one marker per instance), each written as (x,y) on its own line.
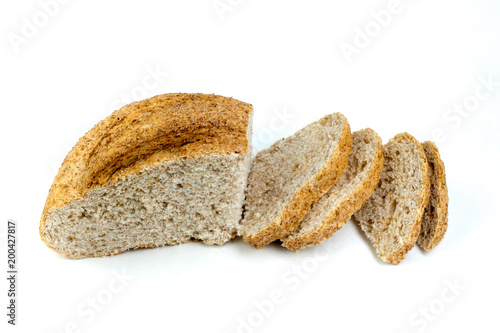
(164,170)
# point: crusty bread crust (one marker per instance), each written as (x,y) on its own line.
(436,212)
(144,133)
(338,217)
(291,216)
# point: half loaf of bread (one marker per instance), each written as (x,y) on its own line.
(353,188)
(391,217)
(291,175)
(161,171)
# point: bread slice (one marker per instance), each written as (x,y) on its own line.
(287,178)
(391,217)
(435,219)
(164,170)
(353,188)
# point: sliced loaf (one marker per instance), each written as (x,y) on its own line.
(435,219)
(161,171)
(287,178)
(353,188)
(391,217)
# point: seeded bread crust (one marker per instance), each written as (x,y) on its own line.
(342,211)
(139,135)
(291,216)
(435,219)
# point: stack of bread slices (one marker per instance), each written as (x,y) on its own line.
(304,188)
(178,167)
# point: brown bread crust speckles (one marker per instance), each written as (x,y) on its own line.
(338,217)
(314,189)
(147,132)
(435,219)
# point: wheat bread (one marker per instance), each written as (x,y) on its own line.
(164,170)
(391,217)
(287,178)
(353,188)
(435,219)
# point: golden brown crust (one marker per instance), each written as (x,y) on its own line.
(143,133)
(338,217)
(314,189)
(439,214)
(396,257)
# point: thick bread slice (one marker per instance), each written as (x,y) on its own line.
(353,188)
(160,171)
(287,178)
(435,220)
(391,217)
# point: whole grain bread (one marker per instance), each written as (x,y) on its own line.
(287,178)
(391,217)
(353,188)
(164,170)
(435,219)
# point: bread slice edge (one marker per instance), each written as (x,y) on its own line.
(397,256)
(436,212)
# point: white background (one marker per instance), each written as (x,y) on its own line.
(286,58)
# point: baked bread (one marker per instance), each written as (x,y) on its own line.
(353,188)
(161,171)
(391,217)
(291,175)
(435,219)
